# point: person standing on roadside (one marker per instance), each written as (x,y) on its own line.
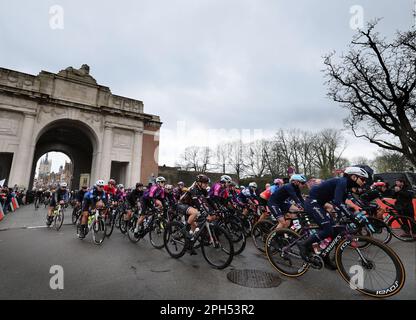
(404,203)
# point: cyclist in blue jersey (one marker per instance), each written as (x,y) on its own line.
(95,198)
(334,190)
(279,202)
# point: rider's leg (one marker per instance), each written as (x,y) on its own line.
(325,222)
(193,214)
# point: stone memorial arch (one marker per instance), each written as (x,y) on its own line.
(103,134)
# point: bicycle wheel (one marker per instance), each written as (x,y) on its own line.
(74,216)
(58,220)
(219,250)
(402,228)
(123,224)
(109,224)
(375,270)
(382,231)
(98,228)
(174,239)
(130,226)
(283,253)
(260,232)
(156,233)
(235,229)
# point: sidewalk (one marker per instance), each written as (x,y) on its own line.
(25,216)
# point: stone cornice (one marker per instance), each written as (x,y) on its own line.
(42,88)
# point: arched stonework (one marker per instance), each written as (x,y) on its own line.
(117,126)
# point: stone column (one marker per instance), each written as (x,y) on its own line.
(106,154)
(136,161)
(22,159)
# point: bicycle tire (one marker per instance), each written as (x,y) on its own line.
(175,234)
(157,229)
(58,220)
(260,232)
(278,239)
(130,230)
(392,288)
(98,226)
(401,221)
(109,221)
(382,230)
(216,232)
(235,229)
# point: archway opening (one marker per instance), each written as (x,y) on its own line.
(53,168)
(72,138)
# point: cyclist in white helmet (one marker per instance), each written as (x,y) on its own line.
(95,198)
(333,190)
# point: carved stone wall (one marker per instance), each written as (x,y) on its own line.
(30,105)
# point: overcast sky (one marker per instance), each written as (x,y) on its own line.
(207,64)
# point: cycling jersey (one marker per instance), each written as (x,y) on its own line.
(59,195)
(178,192)
(155,192)
(134,196)
(92,197)
(110,191)
(274,188)
(287,192)
(246,195)
(194,197)
(334,190)
(80,195)
(219,191)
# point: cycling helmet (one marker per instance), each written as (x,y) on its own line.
(180,183)
(99,183)
(112,181)
(63,185)
(298,177)
(252,185)
(356,171)
(225,178)
(169,187)
(139,184)
(208,188)
(378,184)
(202,178)
(233,184)
(120,186)
(278,181)
(160,179)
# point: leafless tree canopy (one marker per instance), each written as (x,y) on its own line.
(376,81)
(313,154)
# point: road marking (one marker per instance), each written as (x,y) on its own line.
(30,227)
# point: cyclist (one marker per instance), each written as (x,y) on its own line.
(277,183)
(333,190)
(170,199)
(247,197)
(134,199)
(219,191)
(280,201)
(152,197)
(93,199)
(190,203)
(179,190)
(110,188)
(61,195)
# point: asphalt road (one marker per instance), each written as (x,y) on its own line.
(119,269)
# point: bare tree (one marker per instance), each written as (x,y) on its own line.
(196,158)
(329,146)
(236,158)
(222,154)
(376,81)
(255,157)
(391,161)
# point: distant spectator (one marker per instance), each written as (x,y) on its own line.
(404,202)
